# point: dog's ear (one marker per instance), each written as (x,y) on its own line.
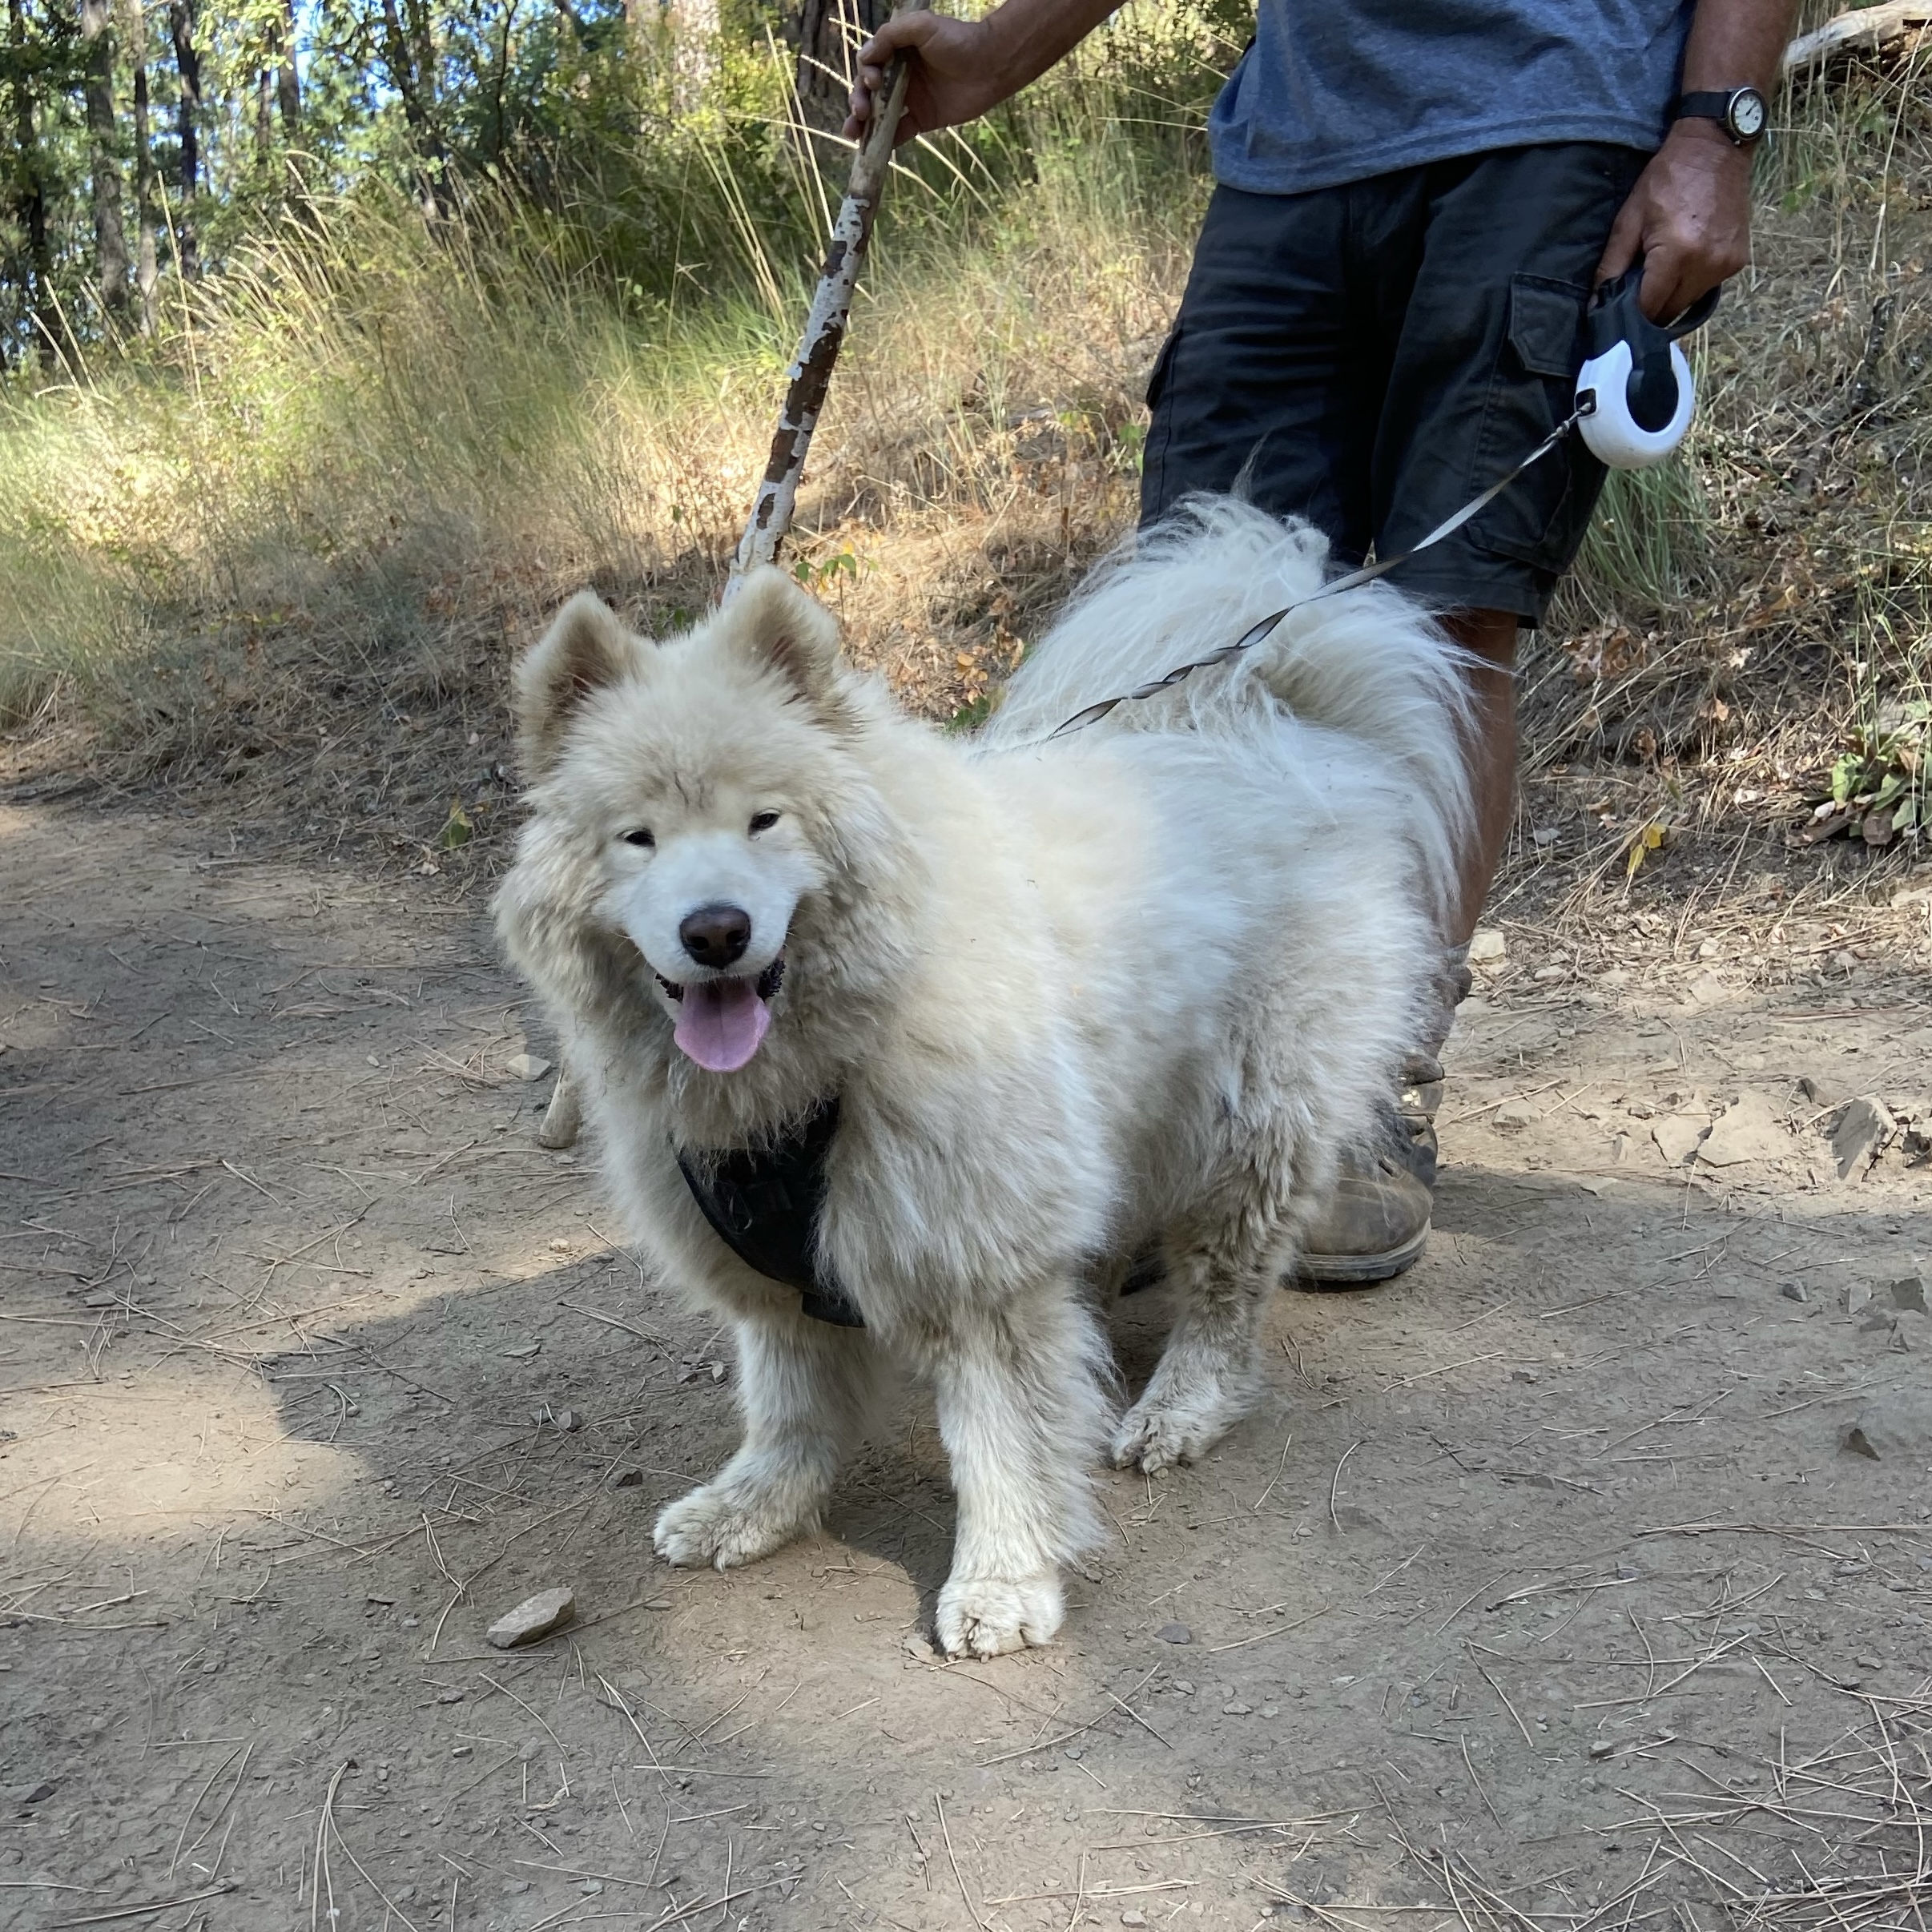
(585,648)
(775,622)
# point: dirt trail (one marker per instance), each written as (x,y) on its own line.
(1550,1555)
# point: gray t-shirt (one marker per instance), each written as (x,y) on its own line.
(1338,90)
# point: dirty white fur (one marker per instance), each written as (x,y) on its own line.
(1136,986)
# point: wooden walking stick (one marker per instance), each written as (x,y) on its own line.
(811,369)
(832,307)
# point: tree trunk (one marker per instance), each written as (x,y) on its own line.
(148,273)
(187,65)
(30,196)
(110,235)
(408,52)
(825,35)
(288,79)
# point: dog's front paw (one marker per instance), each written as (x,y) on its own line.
(983,1616)
(721,1524)
(1159,1431)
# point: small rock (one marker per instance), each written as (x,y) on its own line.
(535,1617)
(920,1648)
(1175,1633)
(461,1750)
(1602,1747)
(1911,1333)
(1130,1917)
(1794,1291)
(1909,1292)
(526,1066)
(1749,1130)
(1868,1662)
(1677,1136)
(568,1420)
(1863,1131)
(1487,947)
(1820,1091)
(627,1478)
(1234,1707)
(1512,1116)
(450,1697)
(1857,1298)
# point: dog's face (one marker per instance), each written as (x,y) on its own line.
(692,776)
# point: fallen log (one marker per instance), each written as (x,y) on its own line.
(1862,29)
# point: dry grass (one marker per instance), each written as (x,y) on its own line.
(292,558)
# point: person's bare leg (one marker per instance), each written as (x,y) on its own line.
(1490,635)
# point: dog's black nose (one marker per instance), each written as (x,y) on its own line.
(716,936)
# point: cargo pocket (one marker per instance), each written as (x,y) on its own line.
(1540,519)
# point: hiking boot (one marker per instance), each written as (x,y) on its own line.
(1376,1222)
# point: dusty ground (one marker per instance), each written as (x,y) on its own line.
(1541,1590)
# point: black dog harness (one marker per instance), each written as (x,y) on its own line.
(764,1205)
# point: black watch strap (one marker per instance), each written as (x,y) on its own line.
(1739,111)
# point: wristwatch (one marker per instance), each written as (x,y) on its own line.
(1739,111)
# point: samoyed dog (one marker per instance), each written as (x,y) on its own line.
(936,1035)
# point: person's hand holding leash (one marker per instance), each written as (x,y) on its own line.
(1689,215)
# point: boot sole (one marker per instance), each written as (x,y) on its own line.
(1360,1270)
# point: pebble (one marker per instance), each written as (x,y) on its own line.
(1234,1707)
(1794,1291)
(450,1697)
(1909,1293)
(526,1066)
(1751,1130)
(1130,1917)
(1857,1298)
(535,1617)
(1175,1633)
(627,1478)
(1676,1137)
(1487,947)
(1865,1128)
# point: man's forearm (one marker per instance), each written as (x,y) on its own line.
(1736,43)
(1027,37)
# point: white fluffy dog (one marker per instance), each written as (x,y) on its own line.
(1131,988)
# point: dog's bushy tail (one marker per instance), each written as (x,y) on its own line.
(1370,664)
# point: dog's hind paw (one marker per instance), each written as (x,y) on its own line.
(1157,1435)
(720,1524)
(984,1617)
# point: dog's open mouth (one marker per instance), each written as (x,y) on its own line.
(721,1023)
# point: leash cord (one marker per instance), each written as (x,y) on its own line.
(1353,580)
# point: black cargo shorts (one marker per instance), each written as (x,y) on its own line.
(1371,356)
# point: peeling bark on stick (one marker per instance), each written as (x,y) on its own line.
(824,333)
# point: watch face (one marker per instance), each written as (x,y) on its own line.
(1747,114)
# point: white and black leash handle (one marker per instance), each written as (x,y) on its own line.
(832,307)
(1354,580)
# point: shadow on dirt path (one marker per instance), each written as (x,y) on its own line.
(1550,1558)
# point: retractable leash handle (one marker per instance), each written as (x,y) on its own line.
(1635,394)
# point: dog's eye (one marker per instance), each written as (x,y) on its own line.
(640,835)
(763,821)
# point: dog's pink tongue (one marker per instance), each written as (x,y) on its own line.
(720,1023)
